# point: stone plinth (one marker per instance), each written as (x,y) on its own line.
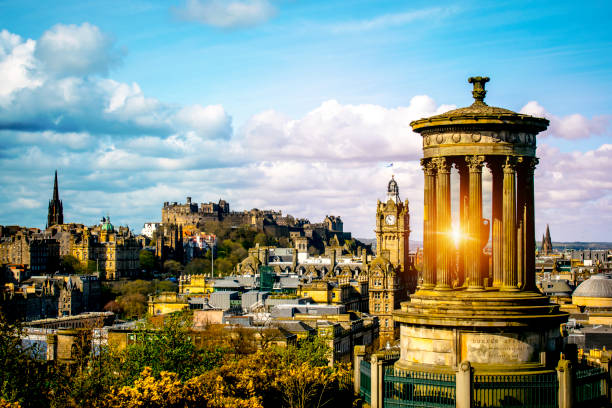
(489,329)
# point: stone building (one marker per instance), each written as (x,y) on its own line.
(192,216)
(31,248)
(114,251)
(42,297)
(169,242)
(391,275)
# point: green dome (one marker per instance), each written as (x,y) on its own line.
(106,225)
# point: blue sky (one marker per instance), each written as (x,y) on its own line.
(297,105)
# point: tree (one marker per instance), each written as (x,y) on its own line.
(133,305)
(169,348)
(147,260)
(69,264)
(173,268)
(23,378)
(198,266)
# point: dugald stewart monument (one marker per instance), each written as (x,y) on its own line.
(474,335)
(490,320)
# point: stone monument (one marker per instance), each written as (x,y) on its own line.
(463,311)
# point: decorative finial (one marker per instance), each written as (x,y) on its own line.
(479,88)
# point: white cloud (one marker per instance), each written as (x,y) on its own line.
(334,132)
(26,203)
(573,192)
(574,126)
(391,20)
(227,13)
(16,62)
(205,121)
(50,85)
(76,50)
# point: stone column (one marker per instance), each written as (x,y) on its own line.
(509,277)
(429,225)
(475,219)
(463,378)
(463,222)
(51,346)
(530,243)
(566,386)
(377,380)
(521,214)
(496,220)
(443,225)
(359,354)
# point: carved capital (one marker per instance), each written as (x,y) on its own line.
(429,167)
(442,165)
(474,163)
(510,164)
(532,162)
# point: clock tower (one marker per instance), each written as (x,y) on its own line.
(391,275)
(393,228)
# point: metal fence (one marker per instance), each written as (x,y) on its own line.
(418,389)
(590,386)
(509,391)
(365,381)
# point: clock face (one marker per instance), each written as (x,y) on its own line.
(390,219)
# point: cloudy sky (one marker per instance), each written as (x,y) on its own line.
(298,105)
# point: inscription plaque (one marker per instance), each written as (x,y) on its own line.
(497,349)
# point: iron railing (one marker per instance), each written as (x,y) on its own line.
(365,380)
(590,385)
(510,391)
(408,389)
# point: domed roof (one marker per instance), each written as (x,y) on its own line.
(599,286)
(106,225)
(479,113)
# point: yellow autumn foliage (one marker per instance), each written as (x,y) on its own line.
(5,404)
(261,379)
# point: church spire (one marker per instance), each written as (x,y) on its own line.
(56,210)
(55,189)
(547,247)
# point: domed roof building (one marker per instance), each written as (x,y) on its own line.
(594,292)
(106,225)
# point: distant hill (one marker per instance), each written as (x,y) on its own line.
(582,245)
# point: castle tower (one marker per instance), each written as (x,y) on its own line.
(56,211)
(547,247)
(503,324)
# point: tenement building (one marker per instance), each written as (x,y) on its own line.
(471,336)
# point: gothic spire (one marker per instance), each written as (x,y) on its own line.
(55,189)
(547,247)
(56,210)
